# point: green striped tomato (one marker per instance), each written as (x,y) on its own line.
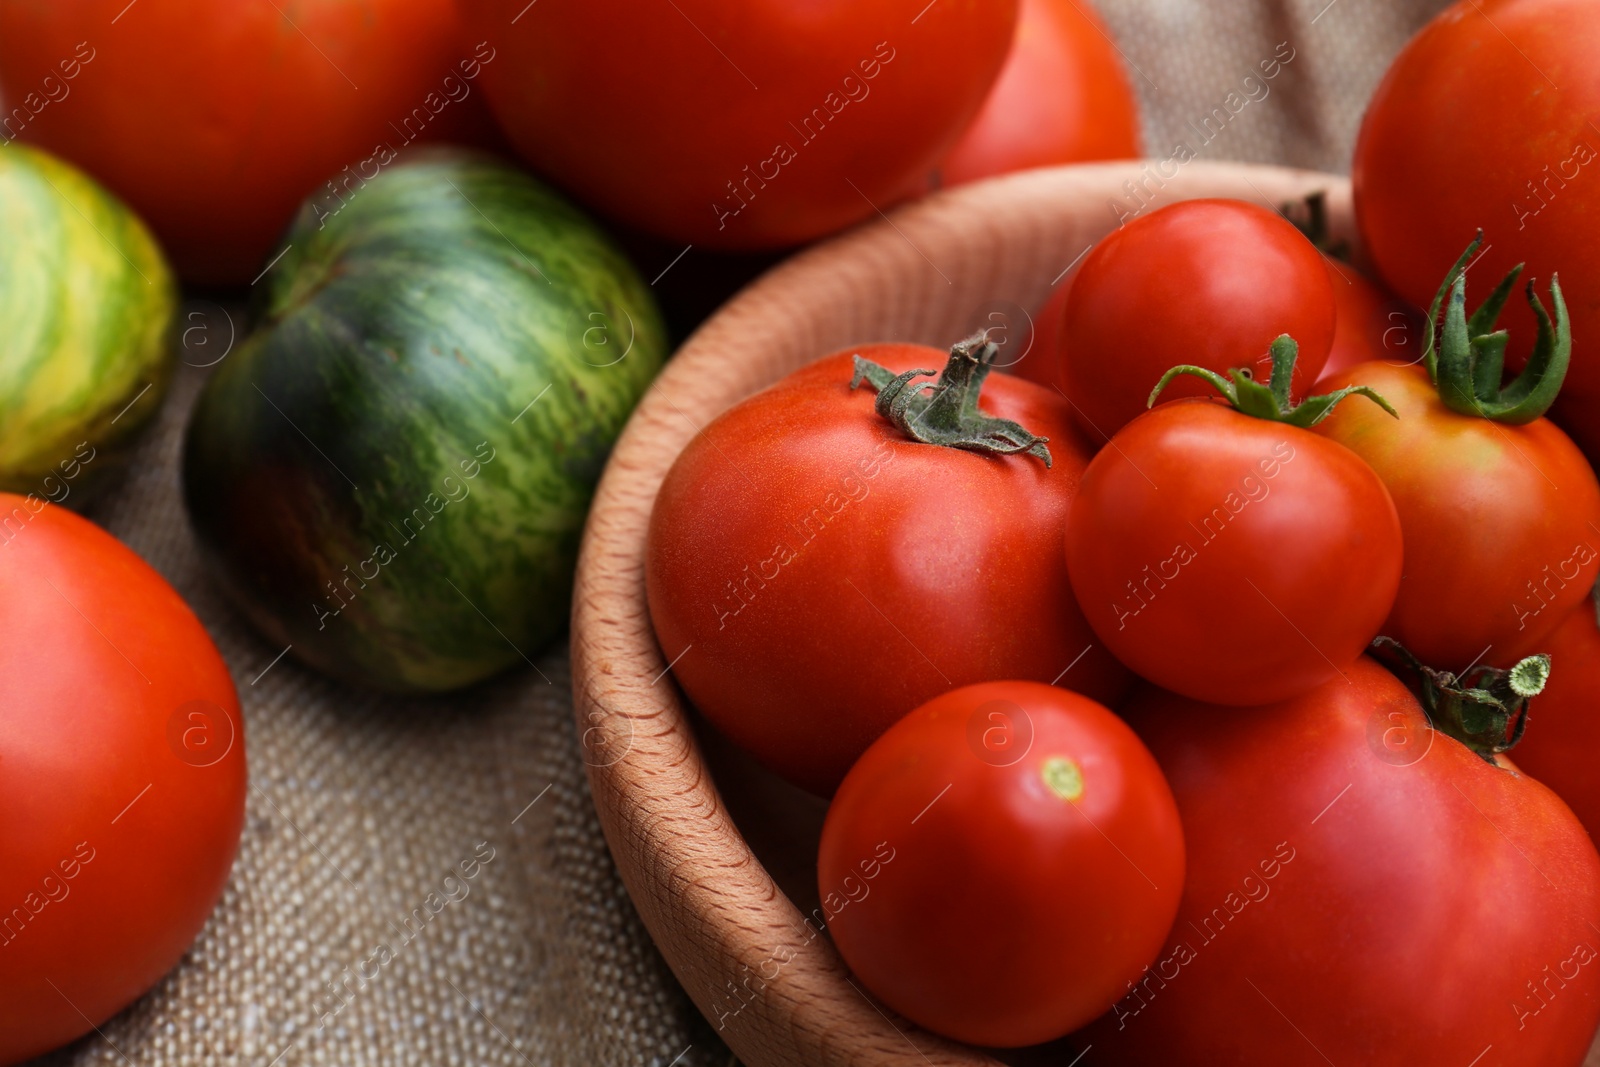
(393,471)
(86,309)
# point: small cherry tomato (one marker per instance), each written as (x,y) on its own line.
(1205,282)
(1501,511)
(1001,863)
(1233,558)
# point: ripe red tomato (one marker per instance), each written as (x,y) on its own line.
(1361,890)
(1575,413)
(1001,863)
(1062,97)
(124,777)
(1502,522)
(1521,76)
(1207,282)
(814,574)
(1042,362)
(1371,324)
(214,120)
(1231,558)
(1563,734)
(739,123)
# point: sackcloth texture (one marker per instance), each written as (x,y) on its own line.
(361,804)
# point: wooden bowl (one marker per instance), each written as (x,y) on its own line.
(721,875)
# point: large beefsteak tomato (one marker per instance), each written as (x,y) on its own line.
(1361,890)
(814,572)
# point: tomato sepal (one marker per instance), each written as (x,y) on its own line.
(1485,709)
(950,415)
(1466,359)
(1271,402)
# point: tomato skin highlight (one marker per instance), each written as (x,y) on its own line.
(1360,890)
(811,118)
(121,827)
(213,121)
(1502,523)
(1563,731)
(1206,282)
(830,574)
(1231,558)
(1062,97)
(1073,897)
(1518,76)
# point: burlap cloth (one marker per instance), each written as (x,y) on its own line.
(360,805)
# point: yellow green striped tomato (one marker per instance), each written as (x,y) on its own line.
(87,303)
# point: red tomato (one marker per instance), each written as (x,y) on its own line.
(1002,863)
(814,574)
(1563,735)
(1231,558)
(739,123)
(1577,413)
(1207,282)
(1502,522)
(1043,359)
(1519,75)
(124,777)
(1062,97)
(1371,324)
(214,120)
(1361,890)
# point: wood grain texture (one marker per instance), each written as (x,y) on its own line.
(924,273)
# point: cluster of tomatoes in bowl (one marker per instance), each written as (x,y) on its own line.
(1167,701)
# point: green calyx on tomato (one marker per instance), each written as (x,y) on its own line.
(950,415)
(1271,402)
(1467,361)
(1485,709)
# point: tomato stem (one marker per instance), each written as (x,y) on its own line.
(949,416)
(1485,709)
(1466,360)
(1309,215)
(1271,401)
